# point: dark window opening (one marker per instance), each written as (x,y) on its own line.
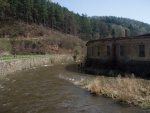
(98,51)
(121,50)
(141,50)
(92,51)
(108,50)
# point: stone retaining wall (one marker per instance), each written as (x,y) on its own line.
(11,66)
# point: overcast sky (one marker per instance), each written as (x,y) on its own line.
(133,9)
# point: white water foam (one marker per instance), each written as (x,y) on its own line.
(1,86)
(48,65)
(66,78)
(72,80)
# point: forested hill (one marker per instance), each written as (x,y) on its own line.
(59,18)
(120,24)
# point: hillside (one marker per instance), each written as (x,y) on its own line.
(134,27)
(59,18)
(22,38)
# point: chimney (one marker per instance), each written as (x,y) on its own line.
(126,33)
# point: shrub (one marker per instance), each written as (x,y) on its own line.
(5,45)
(77,50)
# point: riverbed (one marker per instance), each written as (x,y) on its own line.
(51,89)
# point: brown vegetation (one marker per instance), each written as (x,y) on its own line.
(36,39)
(129,89)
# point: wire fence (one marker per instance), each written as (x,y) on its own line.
(13,57)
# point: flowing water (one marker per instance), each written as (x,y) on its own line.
(50,89)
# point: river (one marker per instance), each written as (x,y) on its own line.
(50,89)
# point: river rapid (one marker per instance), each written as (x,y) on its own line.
(51,89)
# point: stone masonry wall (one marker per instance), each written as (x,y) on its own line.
(11,66)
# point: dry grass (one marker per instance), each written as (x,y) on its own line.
(38,39)
(129,89)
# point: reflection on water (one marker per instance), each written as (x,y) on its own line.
(49,89)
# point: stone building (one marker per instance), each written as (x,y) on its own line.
(128,54)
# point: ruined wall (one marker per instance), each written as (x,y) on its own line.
(11,66)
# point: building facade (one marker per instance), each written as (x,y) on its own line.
(131,54)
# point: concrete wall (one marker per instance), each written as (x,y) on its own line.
(11,66)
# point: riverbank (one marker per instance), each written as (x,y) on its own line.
(49,89)
(129,90)
(11,66)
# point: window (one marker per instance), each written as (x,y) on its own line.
(92,51)
(142,50)
(108,50)
(121,50)
(98,51)
(88,51)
